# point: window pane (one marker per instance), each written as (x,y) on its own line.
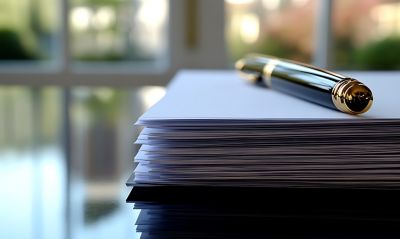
(28,29)
(368,37)
(118,30)
(282,28)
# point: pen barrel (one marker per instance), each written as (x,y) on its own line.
(303,81)
(318,86)
(308,82)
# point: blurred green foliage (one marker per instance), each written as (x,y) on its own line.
(97,2)
(95,211)
(100,57)
(104,104)
(279,48)
(379,55)
(383,54)
(344,55)
(272,45)
(12,47)
(112,57)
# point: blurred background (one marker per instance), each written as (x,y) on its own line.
(76,74)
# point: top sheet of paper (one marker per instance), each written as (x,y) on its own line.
(218,95)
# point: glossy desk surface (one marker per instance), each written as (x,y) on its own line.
(50,192)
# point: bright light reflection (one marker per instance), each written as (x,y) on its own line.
(237,2)
(104,17)
(80,18)
(148,30)
(387,17)
(271,4)
(250,28)
(104,94)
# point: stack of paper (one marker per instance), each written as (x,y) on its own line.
(221,158)
(212,128)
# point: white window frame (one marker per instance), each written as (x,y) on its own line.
(323,34)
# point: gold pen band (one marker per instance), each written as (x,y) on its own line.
(267,72)
(351,96)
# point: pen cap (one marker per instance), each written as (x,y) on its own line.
(352,96)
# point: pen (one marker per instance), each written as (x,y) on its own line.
(307,82)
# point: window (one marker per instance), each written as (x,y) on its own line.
(151,39)
(62,39)
(280,28)
(368,38)
(28,30)
(116,31)
(340,34)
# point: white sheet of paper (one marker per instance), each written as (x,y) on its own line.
(224,95)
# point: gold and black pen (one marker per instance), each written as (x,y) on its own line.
(307,82)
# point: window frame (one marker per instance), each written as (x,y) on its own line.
(180,54)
